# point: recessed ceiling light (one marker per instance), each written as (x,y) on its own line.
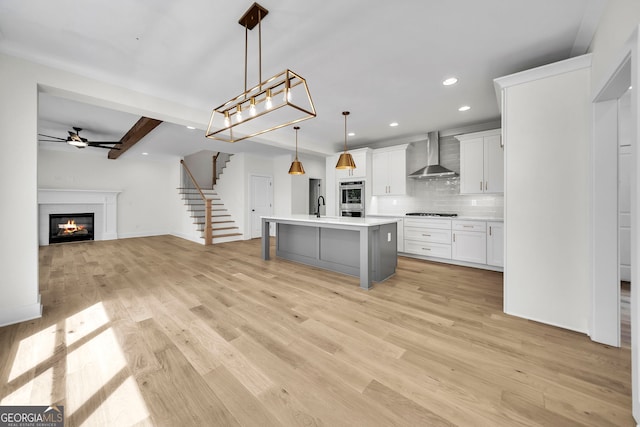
(190,127)
(145,154)
(394,124)
(351,134)
(464,108)
(450,81)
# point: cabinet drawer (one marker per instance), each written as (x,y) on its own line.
(433,235)
(427,249)
(428,223)
(469,226)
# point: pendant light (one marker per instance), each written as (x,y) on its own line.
(287,93)
(346,160)
(296,166)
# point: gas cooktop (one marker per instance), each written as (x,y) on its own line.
(431,214)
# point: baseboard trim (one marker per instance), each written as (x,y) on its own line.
(12,315)
(187,237)
(546,322)
(142,234)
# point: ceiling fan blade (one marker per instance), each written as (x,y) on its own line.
(104,142)
(54,137)
(102,146)
(52,140)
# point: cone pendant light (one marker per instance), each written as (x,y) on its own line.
(296,166)
(346,160)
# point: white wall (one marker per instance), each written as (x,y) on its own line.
(283,185)
(19,292)
(546,130)
(230,187)
(314,167)
(149,202)
(200,165)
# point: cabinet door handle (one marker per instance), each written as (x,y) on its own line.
(489,230)
(426,249)
(486,185)
(480,185)
(427,235)
(468,226)
(454,237)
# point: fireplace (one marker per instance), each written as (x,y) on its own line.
(70,227)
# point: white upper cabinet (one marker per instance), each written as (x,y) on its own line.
(390,171)
(481,162)
(360,159)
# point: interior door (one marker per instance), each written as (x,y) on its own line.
(261,202)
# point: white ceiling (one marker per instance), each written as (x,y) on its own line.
(382,60)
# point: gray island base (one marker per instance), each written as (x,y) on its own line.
(361,247)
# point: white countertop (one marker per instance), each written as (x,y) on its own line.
(333,220)
(463,218)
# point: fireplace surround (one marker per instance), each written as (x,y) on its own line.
(102,203)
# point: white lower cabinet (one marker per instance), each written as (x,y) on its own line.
(479,243)
(495,244)
(400,233)
(469,241)
(428,237)
(427,249)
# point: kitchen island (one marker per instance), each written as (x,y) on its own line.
(361,247)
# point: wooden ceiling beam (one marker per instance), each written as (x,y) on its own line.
(134,135)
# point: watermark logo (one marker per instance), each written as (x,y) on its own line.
(32,416)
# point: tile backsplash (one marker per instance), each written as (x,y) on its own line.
(438,194)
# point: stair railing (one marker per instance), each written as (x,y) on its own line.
(208,232)
(215,170)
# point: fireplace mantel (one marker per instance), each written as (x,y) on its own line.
(103,203)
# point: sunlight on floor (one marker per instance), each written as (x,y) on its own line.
(98,389)
(85,322)
(90,367)
(33,351)
(124,407)
(36,391)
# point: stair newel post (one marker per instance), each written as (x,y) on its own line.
(208,232)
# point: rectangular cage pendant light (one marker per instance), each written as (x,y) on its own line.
(279,101)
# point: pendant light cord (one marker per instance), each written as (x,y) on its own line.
(345,114)
(246,47)
(259,48)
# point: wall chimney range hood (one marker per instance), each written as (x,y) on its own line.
(433,168)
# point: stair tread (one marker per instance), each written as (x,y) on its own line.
(224,228)
(227,235)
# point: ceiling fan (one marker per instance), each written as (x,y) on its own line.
(77,141)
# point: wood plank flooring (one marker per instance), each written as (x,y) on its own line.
(162,331)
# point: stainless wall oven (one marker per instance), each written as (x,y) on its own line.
(352,198)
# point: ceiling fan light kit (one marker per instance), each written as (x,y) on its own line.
(281,100)
(77,141)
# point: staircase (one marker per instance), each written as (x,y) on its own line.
(223,227)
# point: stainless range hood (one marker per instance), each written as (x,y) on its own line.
(433,168)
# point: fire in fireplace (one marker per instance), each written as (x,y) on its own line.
(70,227)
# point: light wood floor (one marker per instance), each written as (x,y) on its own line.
(162,331)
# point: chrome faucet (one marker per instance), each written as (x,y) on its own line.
(318,211)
